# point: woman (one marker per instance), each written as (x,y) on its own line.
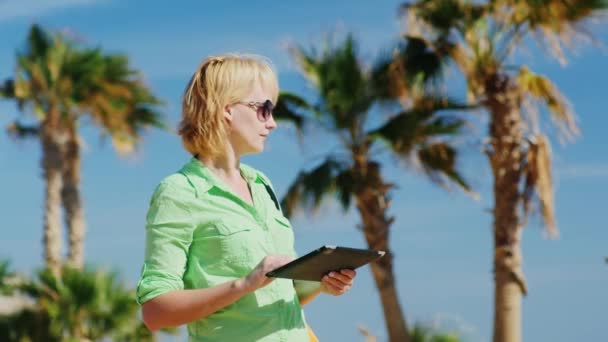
(214,228)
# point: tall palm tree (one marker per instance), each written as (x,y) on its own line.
(480,38)
(62,83)
(41,63)
(346,94)
(113,97)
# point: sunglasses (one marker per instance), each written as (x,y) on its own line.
(263,109)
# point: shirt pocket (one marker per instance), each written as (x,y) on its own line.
(224,248)
(235,242)
(282,233)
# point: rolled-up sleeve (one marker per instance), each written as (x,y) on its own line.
(169,229)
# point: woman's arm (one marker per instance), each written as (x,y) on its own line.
(335,284)
(184,306)
(306,290)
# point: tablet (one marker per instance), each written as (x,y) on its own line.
(316,264)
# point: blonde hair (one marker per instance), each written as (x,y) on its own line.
(218,82)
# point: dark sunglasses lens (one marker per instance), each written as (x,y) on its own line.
(265,110)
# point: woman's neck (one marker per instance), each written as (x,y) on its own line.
(225,166)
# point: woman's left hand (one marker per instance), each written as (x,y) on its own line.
(338,283)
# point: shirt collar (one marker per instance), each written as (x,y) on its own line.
(204,179)
(248,173)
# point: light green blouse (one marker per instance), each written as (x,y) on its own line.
(200,234)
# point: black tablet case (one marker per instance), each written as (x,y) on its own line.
(314,265)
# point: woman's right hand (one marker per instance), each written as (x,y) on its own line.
(257,278)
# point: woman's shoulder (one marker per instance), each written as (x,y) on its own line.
(176,180)
(174,185)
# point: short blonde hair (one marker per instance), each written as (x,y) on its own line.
(218,82)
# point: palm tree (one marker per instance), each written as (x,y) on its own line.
(421,333)
(61,82)
(86,304)
(480,38)
(47,99)
(346,94)
(116,100)
(80,305)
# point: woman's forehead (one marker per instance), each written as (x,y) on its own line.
(261,92)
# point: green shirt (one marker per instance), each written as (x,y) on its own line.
(200,234)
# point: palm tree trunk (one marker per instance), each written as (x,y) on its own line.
(506,162)
(74,213)
(51,169)
(372,203)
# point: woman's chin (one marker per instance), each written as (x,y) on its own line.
(255,149)
(260,148)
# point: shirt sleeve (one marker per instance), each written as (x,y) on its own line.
(169,229)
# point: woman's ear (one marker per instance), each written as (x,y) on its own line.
(228,114)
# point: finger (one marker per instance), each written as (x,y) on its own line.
(333,284)
(340,277)
(334,290)
(349,273)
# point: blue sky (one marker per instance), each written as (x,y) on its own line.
(442,240)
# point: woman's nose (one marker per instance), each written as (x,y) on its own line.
(271,124)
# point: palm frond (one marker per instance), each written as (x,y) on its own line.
(340,79)
(554,22)
(126,132)
(345,187)
(145,116)
(307,60)
(412,65)
(39,41)
(289,107)
(538,182)
(438,161)
(452,30)
(421,333)
(20,131)
(443,16)
(7,277)
(386,78)
(553,16)
(402,132)
(310,187)
(420,124)
(540,89)
(7,89)
(114,96)
(420,61)
(55,59)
